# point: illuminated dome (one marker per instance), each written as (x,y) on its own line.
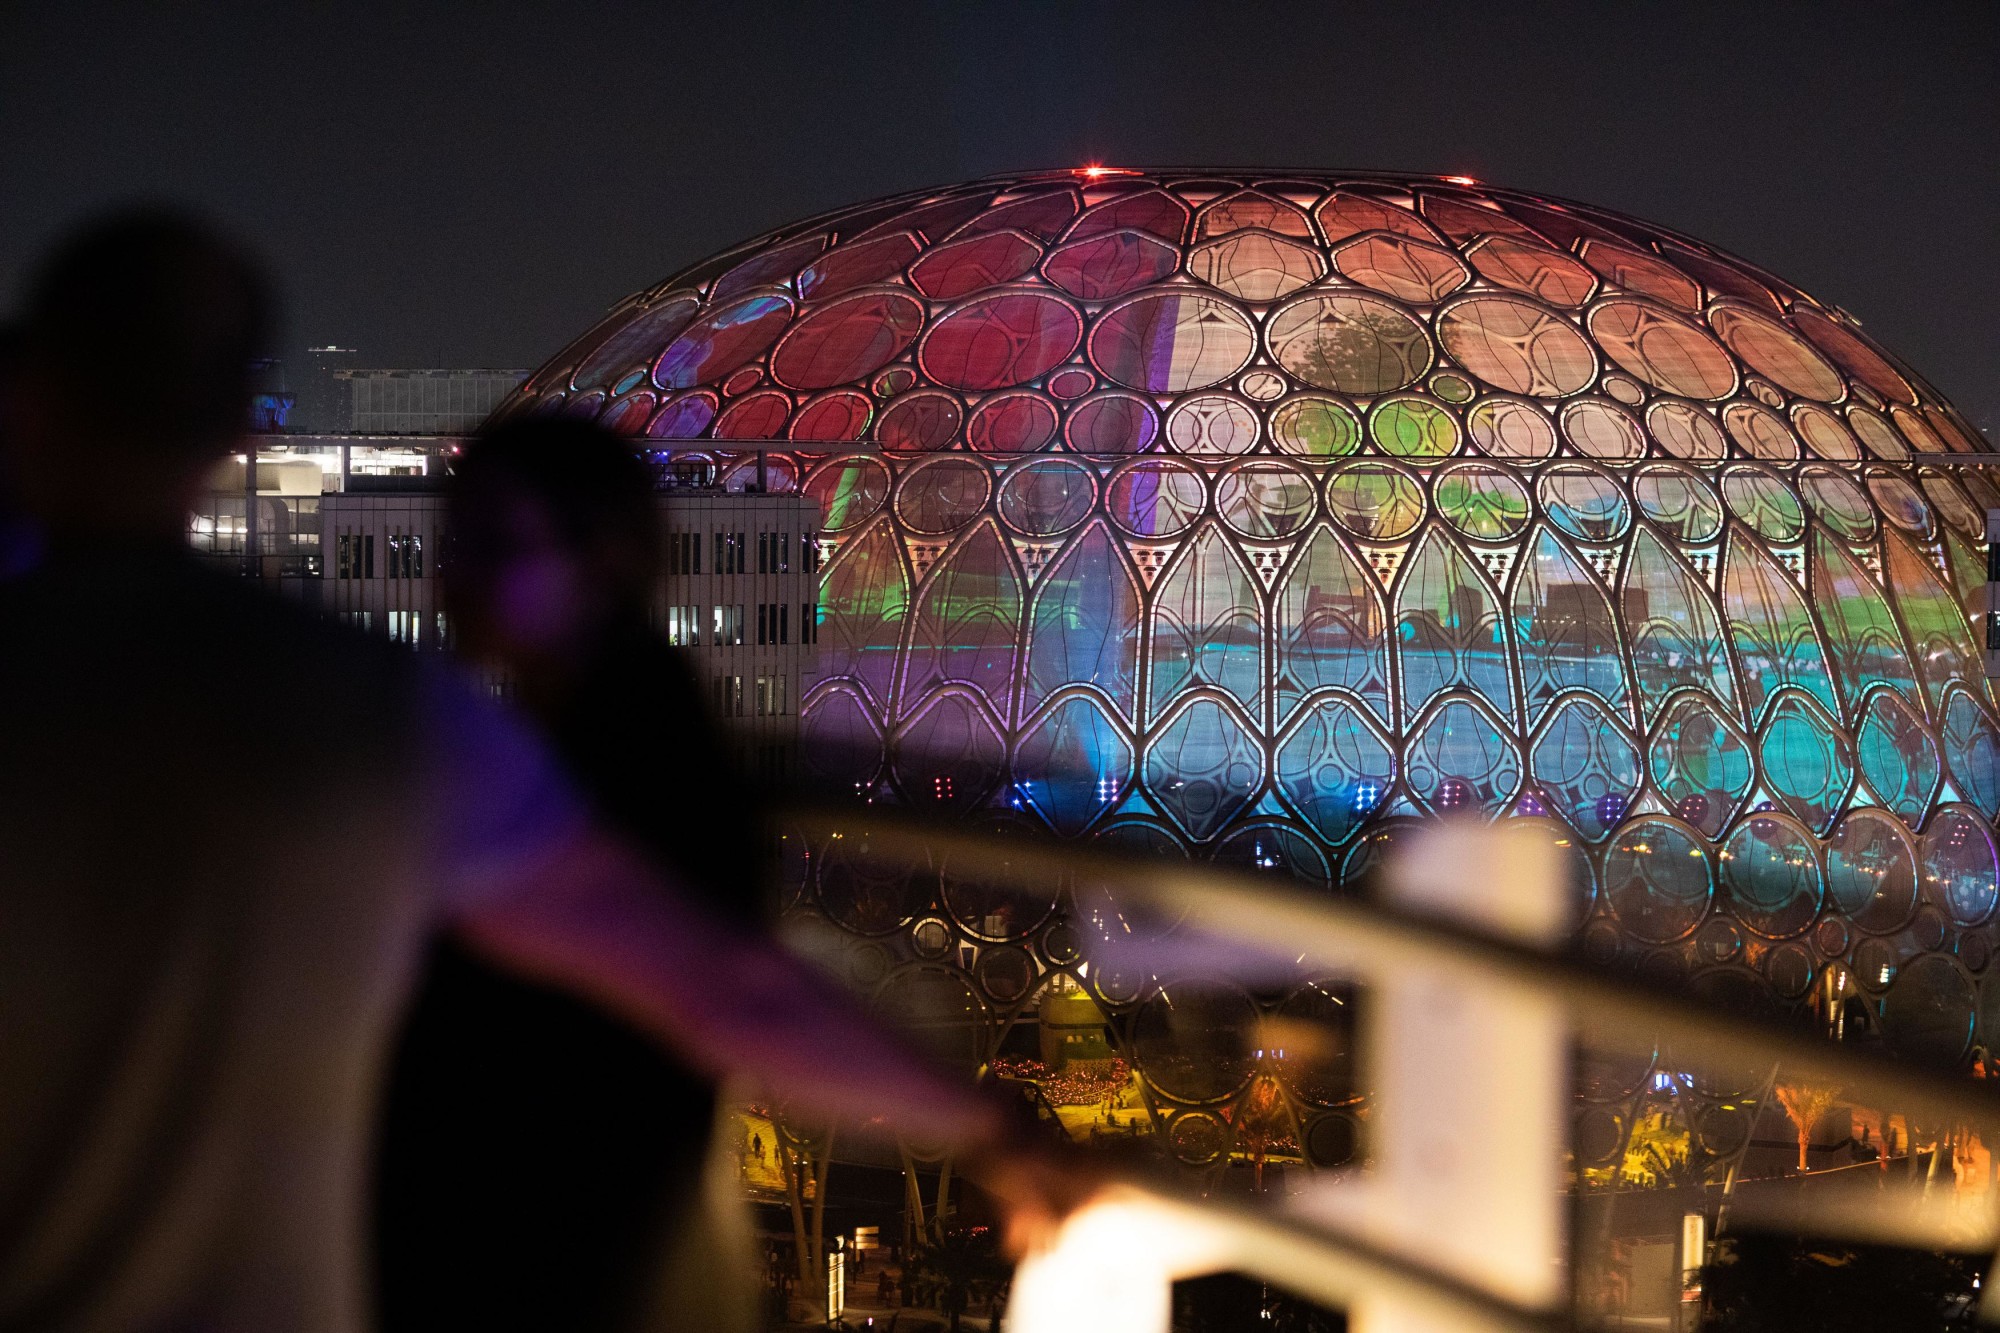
(1245,515)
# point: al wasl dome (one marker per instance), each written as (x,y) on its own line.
(1252,516)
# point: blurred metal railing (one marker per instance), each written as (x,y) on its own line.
(1472,920)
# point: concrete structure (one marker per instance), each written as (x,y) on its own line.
(380,546)
(420,402)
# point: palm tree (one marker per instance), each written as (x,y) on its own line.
(1805,1103)
(1262,1120)
(1668,1167)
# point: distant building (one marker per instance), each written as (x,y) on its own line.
(324,404)
(381,542)
(740,591)
(741,594)
(293,471)
(420,402)
(355,525)
(282,517)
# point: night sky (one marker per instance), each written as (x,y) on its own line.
(471,186)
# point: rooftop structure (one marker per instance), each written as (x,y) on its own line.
(419,402)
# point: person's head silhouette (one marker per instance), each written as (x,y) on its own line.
(131,374)
(554,544)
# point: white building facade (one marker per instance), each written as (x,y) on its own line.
(739,593)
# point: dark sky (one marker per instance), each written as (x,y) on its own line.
(470,186)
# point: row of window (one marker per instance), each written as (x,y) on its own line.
(354,556)
(774,622)
(414,628)
(725,625)
(730,554)
(406,555)
(770,696)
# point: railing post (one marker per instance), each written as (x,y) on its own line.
(1469,1084)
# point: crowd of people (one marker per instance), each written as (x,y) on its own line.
(334,994)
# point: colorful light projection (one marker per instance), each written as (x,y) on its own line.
(1251,517)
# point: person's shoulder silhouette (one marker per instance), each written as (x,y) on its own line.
(225,826)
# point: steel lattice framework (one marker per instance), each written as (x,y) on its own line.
(1251,516)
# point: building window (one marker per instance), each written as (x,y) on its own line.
(406,555)
(354,555)
(774,622)
(726,630)
(684,626)
(729,553)
(809,552)
(406,627)
(774,553)
(729,696)
(772,700)
(809,622)
(684,553)
(441,632)
(361,620)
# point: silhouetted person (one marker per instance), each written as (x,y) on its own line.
(552,569)
(554,546)
(227,827)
